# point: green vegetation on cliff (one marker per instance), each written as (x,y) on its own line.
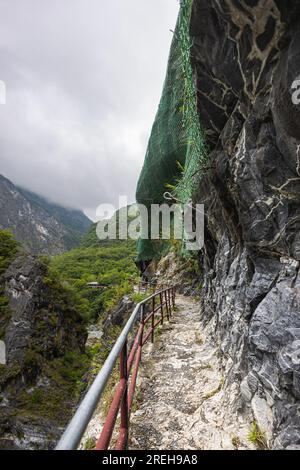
(110,263)
(8,251)
(46,368)
(52,367)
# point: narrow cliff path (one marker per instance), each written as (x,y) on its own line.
(182,404)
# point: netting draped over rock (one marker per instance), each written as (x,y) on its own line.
(176,147)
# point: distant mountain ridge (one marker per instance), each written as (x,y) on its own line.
(41,226)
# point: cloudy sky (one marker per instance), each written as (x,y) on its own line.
(83,82)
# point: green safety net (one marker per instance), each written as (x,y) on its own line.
(176,149)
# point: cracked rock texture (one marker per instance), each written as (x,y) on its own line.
(246,56)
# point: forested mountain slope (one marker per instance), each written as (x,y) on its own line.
(109,262)
(41,226)
(46,312)
(43,335)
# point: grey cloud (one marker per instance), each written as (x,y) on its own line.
(83,84)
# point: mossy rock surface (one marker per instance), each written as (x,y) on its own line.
(44,333)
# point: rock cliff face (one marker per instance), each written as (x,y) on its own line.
(246,57)
(44,340)
(41,226)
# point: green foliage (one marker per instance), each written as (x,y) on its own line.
(65,294)
(198,338)
(90,443)
(257,437)
(140,296)
(64,366)
(137,399)
(53,402)
(110,263)
(36,397)
(215,391)
(8,374)
(236,442)
(8,251)
(66,276)
(109,391)
(158,332)
(91,239)
(192,265)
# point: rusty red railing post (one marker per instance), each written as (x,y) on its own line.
(124,428)
(161,307)
(167,306)
(152,320)
(137,354)
(170,301)
(143,316)
(162,310)
(124,391)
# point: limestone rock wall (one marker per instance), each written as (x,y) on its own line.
(246,57)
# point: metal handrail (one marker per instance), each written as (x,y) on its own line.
(71,438)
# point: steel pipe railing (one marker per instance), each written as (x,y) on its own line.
(124,393)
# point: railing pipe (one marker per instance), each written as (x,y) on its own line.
(152,320)
(122,442)
(74,432)
(134,348)
(167,305)
(161,298)
(78,424)
(107,430)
